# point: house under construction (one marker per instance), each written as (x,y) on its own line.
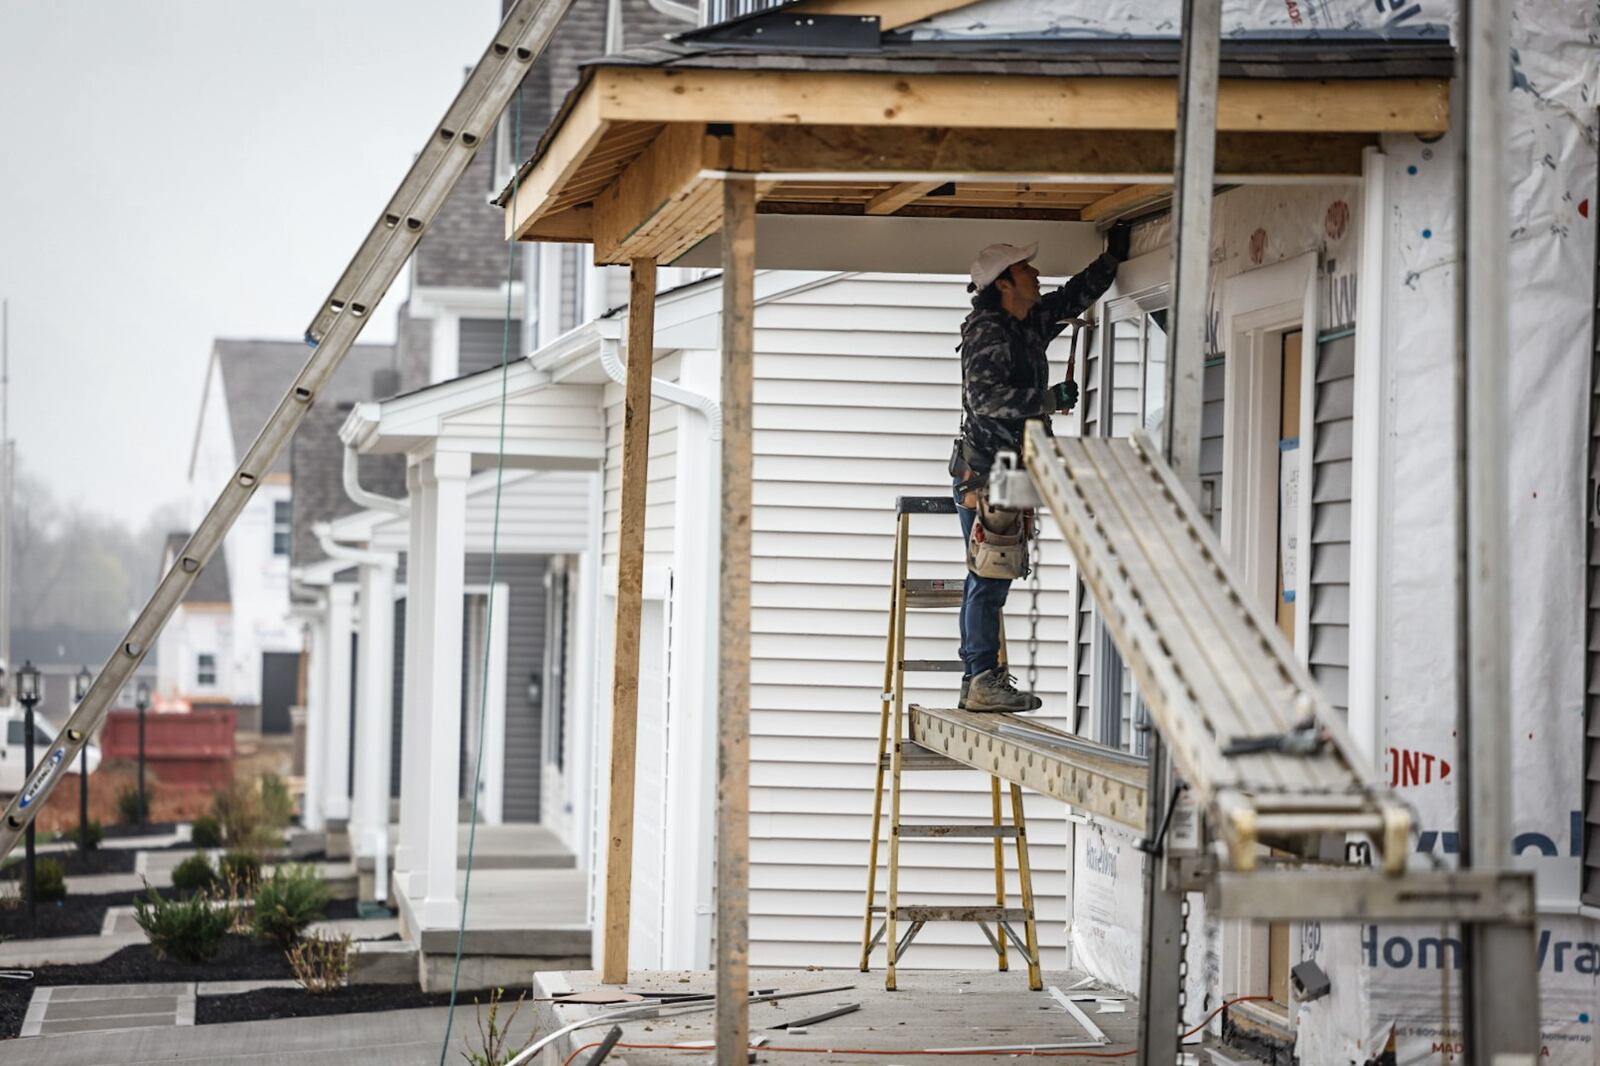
(1300,422)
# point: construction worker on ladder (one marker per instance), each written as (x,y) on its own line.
(1005,380)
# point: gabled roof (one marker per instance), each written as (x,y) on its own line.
(211,584)
(257,373)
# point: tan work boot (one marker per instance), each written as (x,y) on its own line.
(995,691)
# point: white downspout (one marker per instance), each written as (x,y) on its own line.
(377,572)
(367,501)
(611,362)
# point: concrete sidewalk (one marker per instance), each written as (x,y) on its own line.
(388,1038)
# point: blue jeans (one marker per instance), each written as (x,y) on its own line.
(982,600)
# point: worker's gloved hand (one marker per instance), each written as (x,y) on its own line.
(1117,241)
(1065,395)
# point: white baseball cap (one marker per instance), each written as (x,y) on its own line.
(997,259)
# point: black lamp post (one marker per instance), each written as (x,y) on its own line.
(80,689)
(141,700)
(30,687)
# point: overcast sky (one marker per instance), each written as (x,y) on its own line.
(177,170)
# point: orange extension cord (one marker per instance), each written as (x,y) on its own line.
(884,1051)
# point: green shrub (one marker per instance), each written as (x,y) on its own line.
(277,806)
(291,899)
(242,871)
(49,881)
(206,832)
(194,875)
(187,930)
(238,811)
(132,808)
(89,835)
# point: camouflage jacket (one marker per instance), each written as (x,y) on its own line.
(1004,371)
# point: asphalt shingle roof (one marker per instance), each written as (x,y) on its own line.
(317,473)
(257,373)
(211,584)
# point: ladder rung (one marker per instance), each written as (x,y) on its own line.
(986,831)
(929,666)
(961,914)
(928,593)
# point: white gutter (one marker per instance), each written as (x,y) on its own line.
(344,553)
(369,501)
(611,362)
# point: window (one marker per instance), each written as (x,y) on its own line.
(205,672)
(280,527)
(17,734)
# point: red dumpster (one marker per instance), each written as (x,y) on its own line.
(193,748)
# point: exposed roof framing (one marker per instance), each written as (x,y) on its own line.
(632,163)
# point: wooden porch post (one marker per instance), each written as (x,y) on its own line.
(630,594)
(733,702)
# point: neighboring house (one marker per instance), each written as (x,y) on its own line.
(60,653)
(245,379)
(197,643)
(1327,469)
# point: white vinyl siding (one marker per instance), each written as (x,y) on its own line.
(661,489)
(1590,874)
(857,390)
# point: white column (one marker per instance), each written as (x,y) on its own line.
(419,556)
(369,814)
(316,715)
(444,487)
(491,801)
(336,707)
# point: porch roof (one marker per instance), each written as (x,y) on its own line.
(1038,130)
(547,426)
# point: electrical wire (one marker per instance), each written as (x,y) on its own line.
(488,623)
(955,1053)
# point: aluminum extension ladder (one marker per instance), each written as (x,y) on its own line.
(909,594)
(467,124)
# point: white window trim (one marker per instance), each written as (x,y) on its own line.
(1369,488)
(1259,307)
(216,670)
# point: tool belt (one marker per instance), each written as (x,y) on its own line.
(998,546)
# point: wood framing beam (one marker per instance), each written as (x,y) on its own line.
(893,199)
(580,132)
(660,206)
(733,673)
(1134,196)
(975,101)
(1123,154)
(630,603)
(892,14)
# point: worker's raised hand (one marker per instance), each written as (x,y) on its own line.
(1065,395)
(1118,239)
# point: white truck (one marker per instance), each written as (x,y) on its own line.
(13,751)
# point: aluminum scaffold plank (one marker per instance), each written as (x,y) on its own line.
(1212,670)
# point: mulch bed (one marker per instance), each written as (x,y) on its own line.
(78,863)
(80,915)
(149,829)
(241,959)
(268,1003)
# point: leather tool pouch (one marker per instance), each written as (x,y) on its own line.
(998,547)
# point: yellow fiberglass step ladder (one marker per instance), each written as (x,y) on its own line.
(902,754)
(468,123)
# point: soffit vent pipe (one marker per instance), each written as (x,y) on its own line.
(369,501)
